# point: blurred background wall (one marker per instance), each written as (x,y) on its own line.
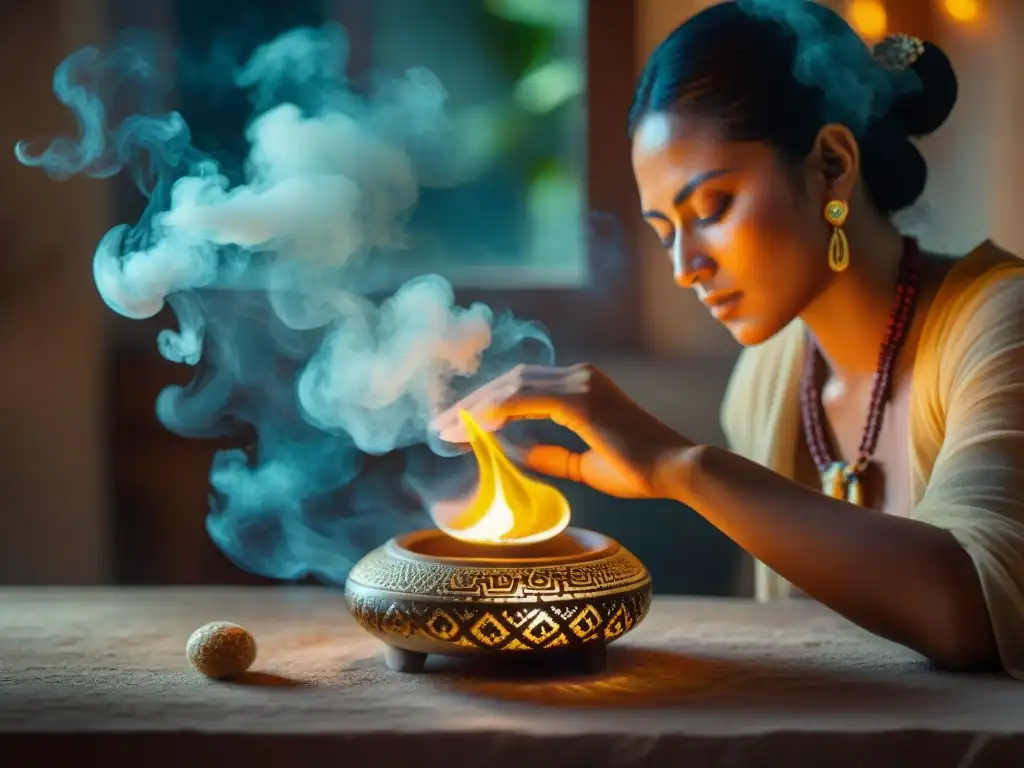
(94,490)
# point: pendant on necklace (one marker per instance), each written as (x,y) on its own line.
(840,482)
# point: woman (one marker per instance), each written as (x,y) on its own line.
(889,485)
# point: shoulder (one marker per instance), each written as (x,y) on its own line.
(757,385)
(976,324)
(986,276)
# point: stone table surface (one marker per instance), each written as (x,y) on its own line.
(91,673)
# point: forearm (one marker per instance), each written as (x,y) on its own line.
(897,577)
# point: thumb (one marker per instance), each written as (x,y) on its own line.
(550,460)
(565,410)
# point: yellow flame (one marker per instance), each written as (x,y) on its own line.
(508,507)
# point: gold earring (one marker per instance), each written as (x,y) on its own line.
(838,247)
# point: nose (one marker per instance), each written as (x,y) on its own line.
(690,266)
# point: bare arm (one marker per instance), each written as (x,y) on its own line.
(903,579)
(910,581)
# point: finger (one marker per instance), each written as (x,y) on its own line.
(554,461)
(564,410)
(572,380)
(479,405)
(484,404)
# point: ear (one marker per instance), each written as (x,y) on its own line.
(836,160)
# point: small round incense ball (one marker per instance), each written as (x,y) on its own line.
(221,649)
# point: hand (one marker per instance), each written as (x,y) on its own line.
(628,447)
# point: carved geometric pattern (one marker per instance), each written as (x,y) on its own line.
(489,631)
(380,570)
(489,627)
(500,606)
(442,626)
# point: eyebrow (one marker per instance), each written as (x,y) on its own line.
(687,190)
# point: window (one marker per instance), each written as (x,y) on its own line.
(542,220)
(512,212)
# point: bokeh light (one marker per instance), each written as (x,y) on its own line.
(963,10)
(868,18)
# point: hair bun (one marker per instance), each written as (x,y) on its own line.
(928,99)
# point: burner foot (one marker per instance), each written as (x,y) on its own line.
(401,660)
(592,659)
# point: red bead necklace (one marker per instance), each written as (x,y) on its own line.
(838,479)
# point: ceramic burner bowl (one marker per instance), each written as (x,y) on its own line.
(428,593)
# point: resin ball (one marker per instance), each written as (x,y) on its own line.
(221,649)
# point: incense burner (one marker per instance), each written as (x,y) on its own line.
(428,593)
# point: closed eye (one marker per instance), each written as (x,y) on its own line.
(708,208)
(711,207)
(663,228)
(665,233)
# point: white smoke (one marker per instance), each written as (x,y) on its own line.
(328,187)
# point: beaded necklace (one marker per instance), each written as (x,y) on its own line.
(839,479)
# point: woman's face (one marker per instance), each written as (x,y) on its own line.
(745,232)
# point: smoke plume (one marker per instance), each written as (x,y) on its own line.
(275,275)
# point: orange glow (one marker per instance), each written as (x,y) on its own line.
(868,18)
(508,507)
(963,10)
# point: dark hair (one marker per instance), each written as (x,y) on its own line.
(779,70)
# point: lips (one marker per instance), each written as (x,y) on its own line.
(723,304)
